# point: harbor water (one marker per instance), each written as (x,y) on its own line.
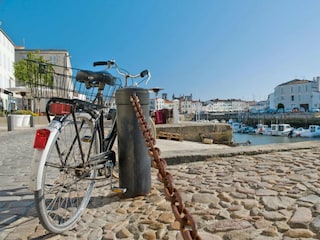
(256,139)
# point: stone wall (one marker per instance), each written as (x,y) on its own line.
(195,131)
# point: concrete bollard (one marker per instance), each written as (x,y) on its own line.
(10,123)
(31,121)
(134,160)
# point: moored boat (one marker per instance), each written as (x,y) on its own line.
(262,129)
(282,129)
(312,131)
(297,132)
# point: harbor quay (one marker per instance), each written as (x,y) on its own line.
(233,193)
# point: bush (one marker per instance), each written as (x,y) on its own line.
(25,112)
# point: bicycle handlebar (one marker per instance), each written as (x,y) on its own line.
(110,63)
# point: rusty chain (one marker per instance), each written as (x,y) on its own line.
(188,227)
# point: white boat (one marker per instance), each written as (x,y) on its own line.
(297,132)
(267,131)
(312,131)
(262,129)
(282,129)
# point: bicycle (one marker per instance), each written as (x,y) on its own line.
(72,153)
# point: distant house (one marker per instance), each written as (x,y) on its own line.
(256,107)
(168,104)
(225,105)
(156,104)
(185,103)
(302,95)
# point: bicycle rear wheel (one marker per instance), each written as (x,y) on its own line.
(67,180)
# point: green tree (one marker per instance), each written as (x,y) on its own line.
(36,73)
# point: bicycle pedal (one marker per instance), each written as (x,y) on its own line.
(86,139)
(118,190)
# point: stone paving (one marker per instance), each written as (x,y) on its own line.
(258,194)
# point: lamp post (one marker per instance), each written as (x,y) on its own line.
(23,94)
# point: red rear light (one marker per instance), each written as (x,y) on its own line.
(59,108)
(41,138)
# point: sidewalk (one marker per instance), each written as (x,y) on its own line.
(245,192)
(176,152)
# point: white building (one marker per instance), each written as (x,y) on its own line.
(156,104)
(196,106)
(228,105)
(298,94)
(185,106)
(7,80)
(271,102)
(168,104)
(260,106)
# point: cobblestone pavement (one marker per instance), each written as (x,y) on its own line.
(254,195)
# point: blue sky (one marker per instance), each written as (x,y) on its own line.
(210,48)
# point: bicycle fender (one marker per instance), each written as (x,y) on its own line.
(39,160)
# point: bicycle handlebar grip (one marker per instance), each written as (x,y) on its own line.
(100,63)
(144,73)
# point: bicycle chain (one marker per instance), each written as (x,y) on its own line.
(188,227)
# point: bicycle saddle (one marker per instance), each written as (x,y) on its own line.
(95,79)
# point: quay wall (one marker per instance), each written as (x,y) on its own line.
(196,131)
(299,119)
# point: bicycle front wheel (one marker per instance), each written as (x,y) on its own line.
(67,179)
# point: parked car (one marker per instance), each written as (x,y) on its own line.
(271,110)
(315,110)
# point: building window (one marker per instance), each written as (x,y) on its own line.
(292,97)
(292,89)
(53,59)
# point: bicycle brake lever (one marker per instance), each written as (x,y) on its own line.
(149,76)
(145,73)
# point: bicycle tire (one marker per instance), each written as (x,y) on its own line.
(65,190)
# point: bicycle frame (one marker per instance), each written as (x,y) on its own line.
(72,150)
